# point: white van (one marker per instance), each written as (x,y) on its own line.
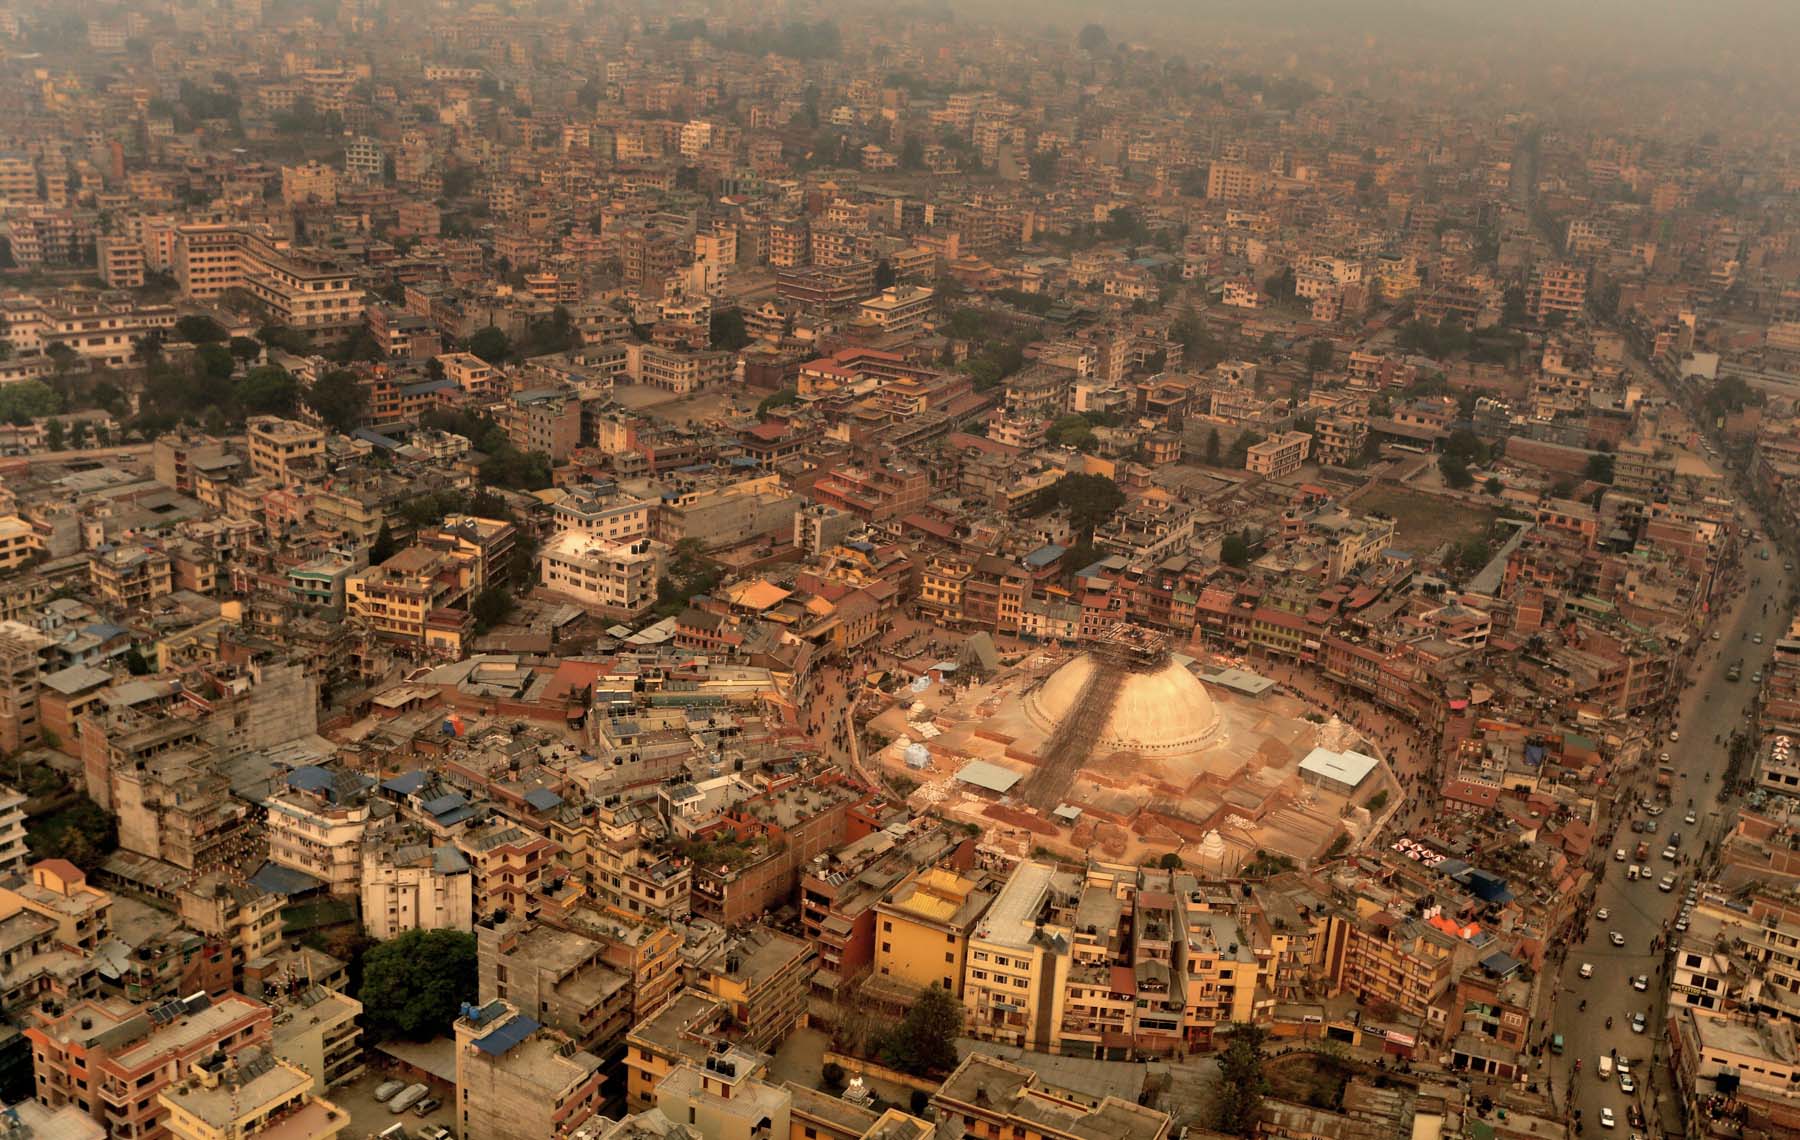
(413,1095)
(1631,872)
(1605,1067)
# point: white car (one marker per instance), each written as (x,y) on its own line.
(1641,983)
(1669,853)
(1617,938)
(1674,736)
(1603,914)
(1587,969)
(1690,817)
(1607,1119)
(1619,855)
(1664,758)
(1681,925)
(1667,884)
(1626,1084)
(1637,1023)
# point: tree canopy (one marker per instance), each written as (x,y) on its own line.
(925,1042)
(1089,499)
(491,344)
(1237,1098)
(339,399)
(414,985)
(26,400)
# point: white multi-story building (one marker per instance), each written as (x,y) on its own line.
(364,160)
(416,887)
(304,290)
(103,329)
(13,851)
(616,578)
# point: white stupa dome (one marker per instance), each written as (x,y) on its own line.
(1166,711)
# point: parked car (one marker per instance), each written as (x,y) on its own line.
(1603,914)
(1626,1084)
(1617,938)
(1690,817)
(1587,969)
(413,1095)
(1641,983)
(1607,1119)
(428,1106)
(1637,1023)
(387,1089)
(1667,884)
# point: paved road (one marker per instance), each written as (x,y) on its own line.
(1639,910)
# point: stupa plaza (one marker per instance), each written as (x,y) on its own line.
(1125,751)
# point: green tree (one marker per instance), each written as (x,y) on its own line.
(1455,470)
(1092,39)
(245,348)
(83,833)
(136,663)
(491,344)
(414,985)
(1238,1095)
(53,435)
(285,338)
(1318,355)
(1170,861)
(214,361)
(27,400)
(1234,550)
(1600,467)
(884,274)
(491,607)
(925,1042)
(1240,448)
(78,434)
(1493,486)
(339,398)
(385,546)
(198,328)
(267,390)
(1089,499)
(1072,430)
(780,399)
(727,331)
(1212,447)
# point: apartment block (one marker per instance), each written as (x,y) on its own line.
(515,1077)
(58,890)
(113,1059)
(315,1029)
(613,578)
(409,883)
(13,851)
(245,1095)
(929,914)
(125,577)
(987,1097)
(282,449)
(763,976)
(302,289)
(560,976)
(1278,457)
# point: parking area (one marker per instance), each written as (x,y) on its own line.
(369,1116)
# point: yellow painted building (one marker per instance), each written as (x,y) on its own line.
(922,928)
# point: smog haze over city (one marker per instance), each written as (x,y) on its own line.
(951,570)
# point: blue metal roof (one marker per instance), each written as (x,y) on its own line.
(449,801)
(406,783)
(285,881)
(508,1036)
(368,435)
(311,778)
(454,816)
(1043,556)
(542,799)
